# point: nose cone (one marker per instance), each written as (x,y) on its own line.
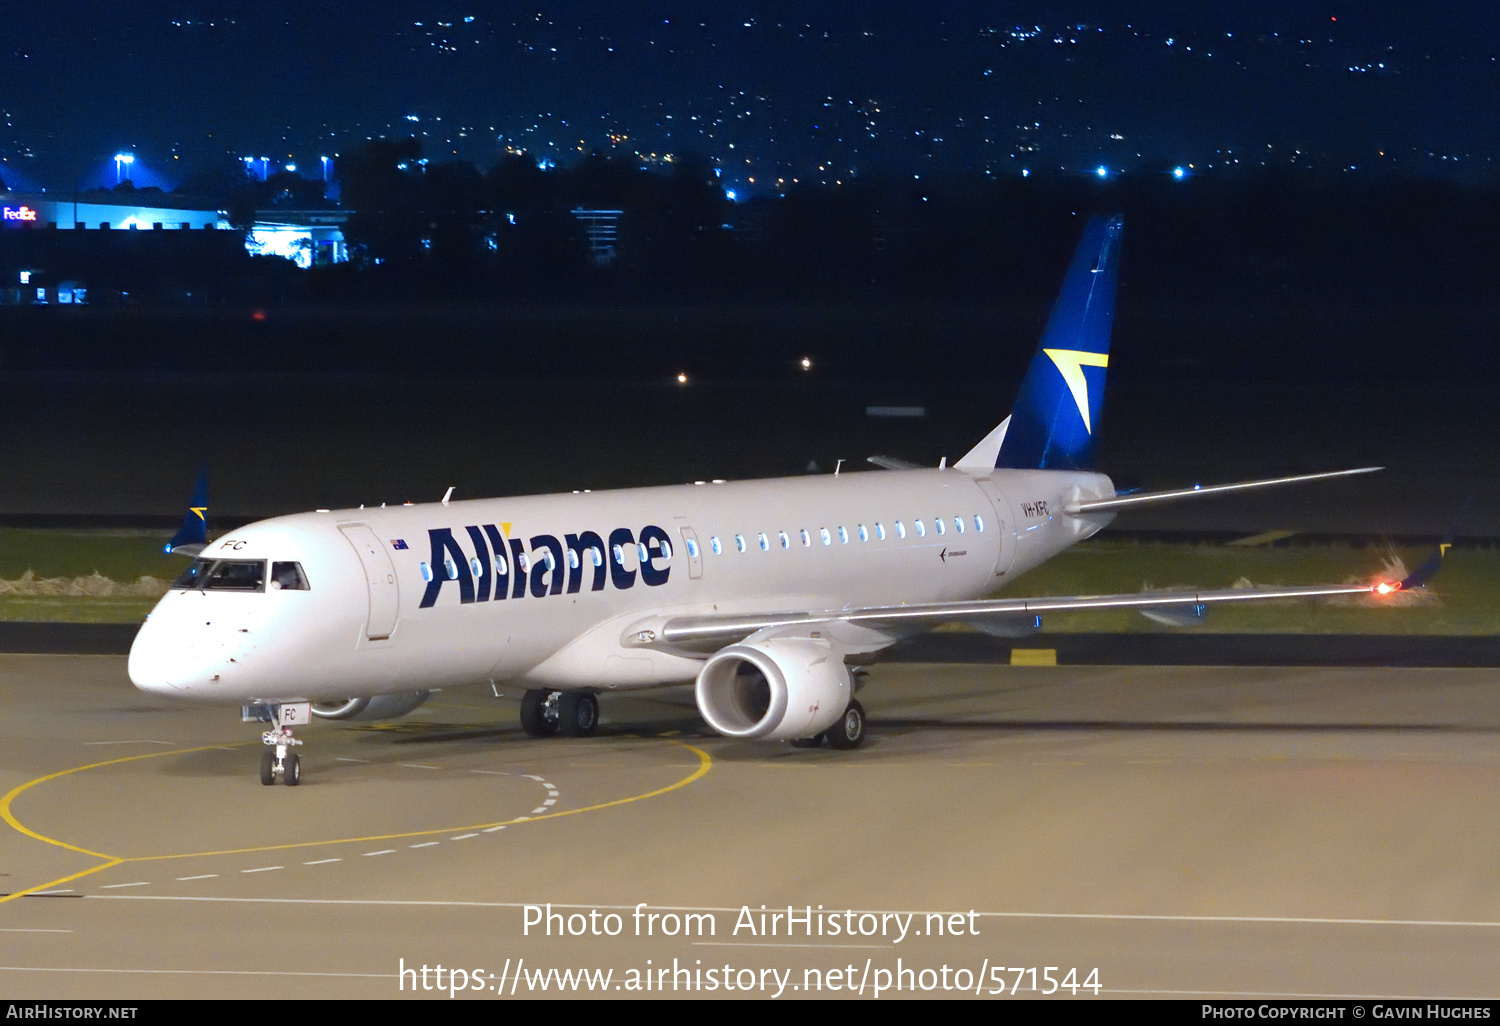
(166,659)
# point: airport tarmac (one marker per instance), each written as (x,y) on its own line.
(1184,831)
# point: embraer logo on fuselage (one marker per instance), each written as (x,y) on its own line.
(503,567)
(1070,363)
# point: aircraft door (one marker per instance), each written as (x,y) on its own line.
(380,577)
(694,552)
(1004,524)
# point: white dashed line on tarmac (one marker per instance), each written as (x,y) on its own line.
(543,809)
(23,929)
(342,759)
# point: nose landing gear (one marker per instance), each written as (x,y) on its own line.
(277,759)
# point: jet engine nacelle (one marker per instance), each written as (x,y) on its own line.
(779,689)
(380,707)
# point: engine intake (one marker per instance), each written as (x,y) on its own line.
(779,689)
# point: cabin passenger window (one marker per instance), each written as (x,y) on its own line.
(523,563)
(827,538)
(549,559)
(900,529)
(641,553)
(288,577)
(596,556)
(450,568)
(958,522)
(843,534)
(714,544)
(692,548)
(573,560)
(921,528)
(880,530)
(475,567)
(502,568)
(666,550)
(786,542)
(619,555)
(978,523)
(938,523)
(806,538)
(427,572)
(765,543)
(864,533)
(739,542)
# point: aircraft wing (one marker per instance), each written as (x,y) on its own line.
(707,633)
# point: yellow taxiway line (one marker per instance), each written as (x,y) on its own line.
(705,763)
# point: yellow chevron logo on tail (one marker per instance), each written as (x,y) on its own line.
(1070,363)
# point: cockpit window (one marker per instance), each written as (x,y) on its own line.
(194,575)
(237,575)
(230,575)
(288,577)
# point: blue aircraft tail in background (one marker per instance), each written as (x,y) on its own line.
(1053,423)
(192,536)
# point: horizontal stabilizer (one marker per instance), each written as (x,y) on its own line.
(1153,498)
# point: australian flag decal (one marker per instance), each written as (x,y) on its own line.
(397,543)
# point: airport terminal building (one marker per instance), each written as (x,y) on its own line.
(60,248)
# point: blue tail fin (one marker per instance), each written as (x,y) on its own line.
(192,536)
(1052,423)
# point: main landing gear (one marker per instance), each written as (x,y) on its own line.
(569,713)
(848,732)
(277,759)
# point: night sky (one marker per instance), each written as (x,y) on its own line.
(774,92)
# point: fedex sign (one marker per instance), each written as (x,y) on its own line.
(19,214)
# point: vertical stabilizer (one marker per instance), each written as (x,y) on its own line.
(192,536)
(1056,414)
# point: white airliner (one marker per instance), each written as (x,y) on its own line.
(763,592)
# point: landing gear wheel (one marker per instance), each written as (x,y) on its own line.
(849,731)
(539,712)
(278,757)
(815,741)
(577,713)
